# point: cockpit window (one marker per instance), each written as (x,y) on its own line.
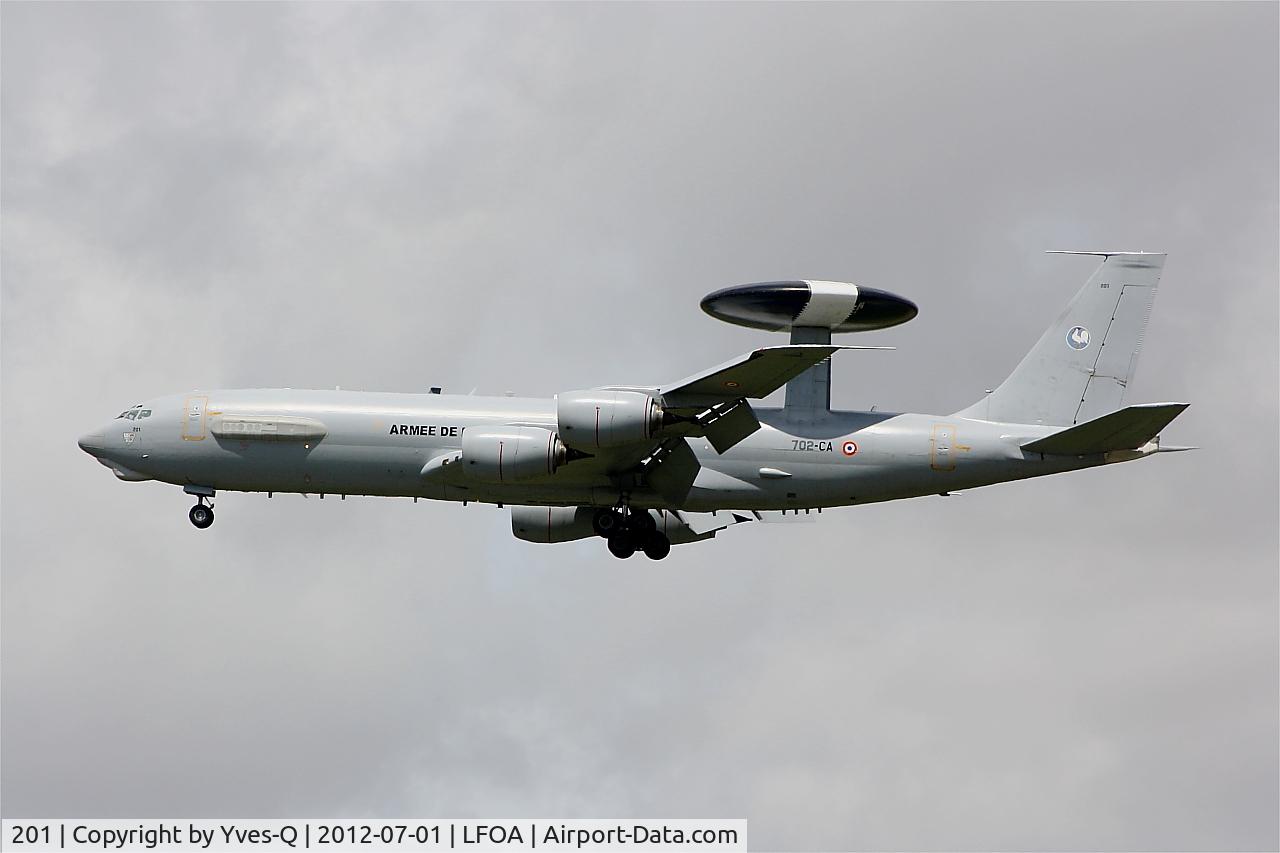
(145,413)
(131,414)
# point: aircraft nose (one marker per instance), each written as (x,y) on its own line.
(93,443)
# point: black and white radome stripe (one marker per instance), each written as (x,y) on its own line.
(780,306)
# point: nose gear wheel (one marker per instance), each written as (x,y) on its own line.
(201,515)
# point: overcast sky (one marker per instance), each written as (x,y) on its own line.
(534,198)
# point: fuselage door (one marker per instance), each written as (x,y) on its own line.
(942,448)
(193,418)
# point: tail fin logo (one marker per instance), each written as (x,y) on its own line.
(1078,337)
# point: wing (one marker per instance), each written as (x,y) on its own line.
(715,400)
(752,376)
(711,404)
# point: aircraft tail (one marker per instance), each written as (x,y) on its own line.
(1081,365)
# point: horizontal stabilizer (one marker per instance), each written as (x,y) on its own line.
(753,376)
(1126,429)
(1098,254)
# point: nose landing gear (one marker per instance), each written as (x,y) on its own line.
(201,515)
(628,531)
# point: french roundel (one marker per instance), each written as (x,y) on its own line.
(849,448)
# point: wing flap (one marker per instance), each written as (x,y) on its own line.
(672,470)
(730,425)
(1126,429)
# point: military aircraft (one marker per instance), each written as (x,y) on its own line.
(651,466)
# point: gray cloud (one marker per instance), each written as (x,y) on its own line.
(534,198)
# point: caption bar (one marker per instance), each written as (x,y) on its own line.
(268,836)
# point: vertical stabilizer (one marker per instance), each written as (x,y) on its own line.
(1081,366)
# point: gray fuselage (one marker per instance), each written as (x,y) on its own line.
(378,444)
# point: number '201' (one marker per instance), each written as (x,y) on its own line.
(30,835)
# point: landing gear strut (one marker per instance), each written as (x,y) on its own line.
(201,515)
(629,531)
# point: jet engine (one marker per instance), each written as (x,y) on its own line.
(552,523)
(591,420)
(511,454)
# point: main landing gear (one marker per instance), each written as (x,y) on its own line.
(201,514)
(629,531)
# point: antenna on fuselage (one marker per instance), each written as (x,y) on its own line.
(811,311)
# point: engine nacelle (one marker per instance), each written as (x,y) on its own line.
(591,420)
(551,523)
(511,454)
(568,523)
